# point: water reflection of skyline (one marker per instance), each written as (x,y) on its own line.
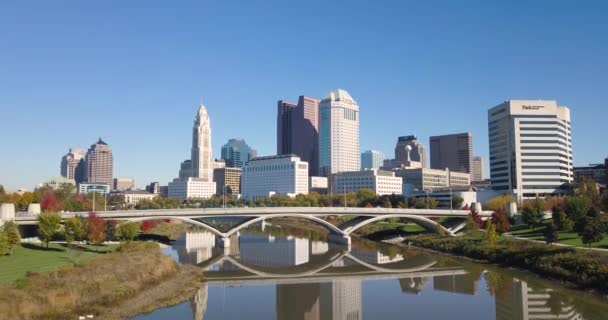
(341,296)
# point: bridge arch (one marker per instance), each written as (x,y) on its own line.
(320,221)
(419,220)
(183,219)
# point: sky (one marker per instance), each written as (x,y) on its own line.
(134,73)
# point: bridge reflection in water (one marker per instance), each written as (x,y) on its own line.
(319,280)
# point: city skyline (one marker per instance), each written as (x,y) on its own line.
(442,91)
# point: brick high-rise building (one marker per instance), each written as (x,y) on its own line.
(452,151)
(99,163)
(227,180)
(298,130)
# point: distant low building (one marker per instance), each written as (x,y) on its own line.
(380,181)
(468,194)
(133,197)
(318,185)
(424,179)
(595,172)
(191,188)
(121,184)
(57,182)
(94,187)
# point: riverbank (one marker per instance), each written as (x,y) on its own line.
(585,270)
(134,279)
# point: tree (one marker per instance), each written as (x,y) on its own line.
(498,203)
(561,220)
(49,202)
(2,191)
(127,231)
(48,224)
(577,207)
(73,229)
(419,203)
(490,236)
(11,232)
(366,196)
(471,227)
(533,212)
(96,229)
(501,221)
(4,247)
(592,230)
(439,231)
(550,233)
(433,203)
(457,202)
(587,188)
(477,219)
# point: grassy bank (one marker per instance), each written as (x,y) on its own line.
(108,284)
(565,237)
(34,258)
(587,270)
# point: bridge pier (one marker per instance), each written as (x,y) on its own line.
(223,242)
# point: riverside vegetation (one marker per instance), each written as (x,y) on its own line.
(107,287)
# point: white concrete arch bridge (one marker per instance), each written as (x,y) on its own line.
(340,234)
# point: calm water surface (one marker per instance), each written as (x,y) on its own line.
(277,274)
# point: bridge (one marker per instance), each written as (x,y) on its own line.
(338,233)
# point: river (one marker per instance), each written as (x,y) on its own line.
(282,273)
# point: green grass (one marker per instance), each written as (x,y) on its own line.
(565,237)
(34,258)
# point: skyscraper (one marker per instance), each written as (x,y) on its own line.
(371,159)
(530,148)
(99,163)
(339,133)
(236,153)
(452,151)
(477,169)
(298,130)
(416,154)
(73,165)
(201,146)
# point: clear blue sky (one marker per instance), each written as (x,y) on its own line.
(133,73)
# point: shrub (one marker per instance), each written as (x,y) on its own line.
(501,221)
(490,236)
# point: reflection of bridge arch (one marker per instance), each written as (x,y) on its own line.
(247,223)
(316,270)
(425,222)
(183,219)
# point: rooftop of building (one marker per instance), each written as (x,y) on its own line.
(280,156)
(340,95)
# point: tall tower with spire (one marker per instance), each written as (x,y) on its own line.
(201,146)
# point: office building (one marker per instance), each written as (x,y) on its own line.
(380,181)
(153,187)
(298,130)
(417,153)
(469,195)
(452,151)
(372,159)
(99,163)
(191,188)
(421,179)
(530,148)
(282,175)
(185,169)
(477,169)
(236,153)
(227,180)
(121,184)
(94,187)
(201,146)
(595,172)
(339,133)
(73,165)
